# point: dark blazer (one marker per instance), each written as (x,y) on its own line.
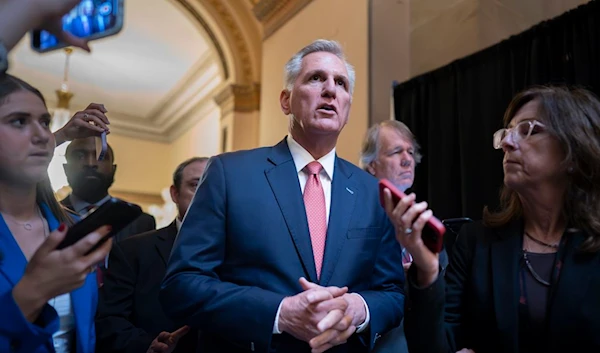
(129,315)
(245,243)
(21,336)
(480,308)
(143,223)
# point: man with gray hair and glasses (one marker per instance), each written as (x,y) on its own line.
(286,248)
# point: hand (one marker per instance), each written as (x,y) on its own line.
(52,12)
(465,350)
(406,266)
(166,342)
(52,272)
(80,125)
(300,317)
(337,332)
(410,215)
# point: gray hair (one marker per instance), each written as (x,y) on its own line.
(371,145)
(178,174)
(294,65)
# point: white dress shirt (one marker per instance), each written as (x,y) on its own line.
(301,159)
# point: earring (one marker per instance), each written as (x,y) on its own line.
(570,170)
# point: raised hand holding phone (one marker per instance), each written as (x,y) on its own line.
(410,219)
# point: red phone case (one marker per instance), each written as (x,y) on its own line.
(432,234)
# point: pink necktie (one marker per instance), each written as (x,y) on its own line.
(314,202)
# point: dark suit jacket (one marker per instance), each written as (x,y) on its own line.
(143,223)
(129,314)
(480,308)
(245,243)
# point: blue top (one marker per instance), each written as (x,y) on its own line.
(19,335)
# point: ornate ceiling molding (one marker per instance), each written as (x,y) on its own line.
(274,13)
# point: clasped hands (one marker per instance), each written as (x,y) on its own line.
(322,316)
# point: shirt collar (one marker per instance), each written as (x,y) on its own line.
(302,157)
(79,205)
(177,223)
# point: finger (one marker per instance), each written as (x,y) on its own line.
(163,337)
(97,117)
(53,240)
(410,216)
(89,241)
(343,337)
(176,335)
(388,202)
(99,107)
(344,323)
(99,254)
(323,348)
(160,347)
(330,320)
(306,285)
(336,291)
(97,125)
(332,304)
(314,296)
(72,40)
(406,266)
(421,221)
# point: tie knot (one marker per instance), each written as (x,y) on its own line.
(313,168)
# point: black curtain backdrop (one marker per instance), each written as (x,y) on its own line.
(454,111)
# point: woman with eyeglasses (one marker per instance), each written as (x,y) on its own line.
(527,278)
(47,296)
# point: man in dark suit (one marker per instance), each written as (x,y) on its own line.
(130,318)
(90,180)
(286,248)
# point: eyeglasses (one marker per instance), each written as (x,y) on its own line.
(519,132)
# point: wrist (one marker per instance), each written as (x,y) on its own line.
(281,320)
(59,137)
(426,278)
(360,311)
(28,298)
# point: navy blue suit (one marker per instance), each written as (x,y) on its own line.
(245,243)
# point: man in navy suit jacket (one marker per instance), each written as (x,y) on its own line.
(248,267)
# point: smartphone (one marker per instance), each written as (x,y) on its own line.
(90,19)
(101,146)
(433,232)
(454,224)
(114,212)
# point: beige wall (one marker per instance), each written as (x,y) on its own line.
(445,30)
(409,38)
(139,164)
(342,20)
(147,167)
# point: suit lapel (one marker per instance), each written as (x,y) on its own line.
(164,241)
(283,179)
(506,253)
(343,198)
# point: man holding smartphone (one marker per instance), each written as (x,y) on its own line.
(90,179)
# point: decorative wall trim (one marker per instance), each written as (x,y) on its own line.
(138,197)
(245,98)
(235,37)
(274,13)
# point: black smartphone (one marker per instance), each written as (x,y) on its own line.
(114,212)
(90,19)
(454,224)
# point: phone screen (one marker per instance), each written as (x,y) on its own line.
(90,19)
